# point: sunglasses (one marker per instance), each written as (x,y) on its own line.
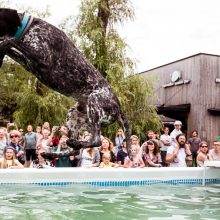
(204,146)
(12,136)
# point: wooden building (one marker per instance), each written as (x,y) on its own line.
(189,90)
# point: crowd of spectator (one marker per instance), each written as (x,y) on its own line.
(19,149)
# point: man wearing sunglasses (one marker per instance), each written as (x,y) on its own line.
(14,136)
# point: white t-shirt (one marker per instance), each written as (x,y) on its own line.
(165,138)
(86,159)
(44,145)
(173,135)
(181,157)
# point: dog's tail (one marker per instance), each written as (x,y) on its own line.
(127,131)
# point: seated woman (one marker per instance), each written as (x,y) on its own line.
(107,147)
(106,161)
(136,161)
(9,160)
(151,155)
(203,154)
(88,157)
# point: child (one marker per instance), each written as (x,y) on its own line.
(136,161)
(106,161)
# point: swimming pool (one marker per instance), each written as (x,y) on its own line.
(110,194)
(86,202)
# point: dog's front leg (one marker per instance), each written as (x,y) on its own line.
(4,45)
(25,54)
(19,57)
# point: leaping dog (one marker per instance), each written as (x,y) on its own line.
(50,55)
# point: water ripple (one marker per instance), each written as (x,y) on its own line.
(81,202)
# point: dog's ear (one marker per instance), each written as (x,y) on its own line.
(9,21)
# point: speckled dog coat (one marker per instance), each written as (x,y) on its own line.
(50,55)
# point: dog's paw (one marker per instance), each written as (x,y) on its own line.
(49,156)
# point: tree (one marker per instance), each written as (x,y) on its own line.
(98,39)
(28,100)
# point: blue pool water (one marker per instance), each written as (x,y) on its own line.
(153,202)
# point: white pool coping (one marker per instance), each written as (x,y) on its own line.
(111,176)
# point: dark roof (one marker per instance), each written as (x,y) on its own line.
(198,54)
(167,120)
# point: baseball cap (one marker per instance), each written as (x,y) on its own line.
(177,123)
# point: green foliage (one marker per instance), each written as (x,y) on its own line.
(106,50)
(23,98)
(29,101)
(26,100)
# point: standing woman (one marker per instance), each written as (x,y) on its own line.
(9,160)
(46,125)
(45,142)
(107,147)
(120,136)
(38,133)
(122,153)
(165,141)
(3,142)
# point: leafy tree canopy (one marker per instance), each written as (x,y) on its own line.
(97,37)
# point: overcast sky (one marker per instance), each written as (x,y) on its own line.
(163,30)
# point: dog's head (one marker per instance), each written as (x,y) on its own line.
(9,22)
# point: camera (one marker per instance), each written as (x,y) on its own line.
(57,128)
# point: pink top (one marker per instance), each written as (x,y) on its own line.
(148,158)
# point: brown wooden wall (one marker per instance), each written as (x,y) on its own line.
(202,92)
